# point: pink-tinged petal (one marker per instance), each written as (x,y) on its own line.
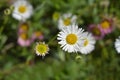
(37,35)
(106,26)
(24,43)
(23,28)
(96,31)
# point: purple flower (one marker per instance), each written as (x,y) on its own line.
(96,31)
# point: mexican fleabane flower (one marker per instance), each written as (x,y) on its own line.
(41,49)
(66,20)
(96,31)
(23,28)
(23,40)
(117,45)
(106,26)
(22,10)
(37,35)
(89,43)
(71,38)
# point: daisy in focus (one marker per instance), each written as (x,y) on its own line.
(89,43)
(22,10)
(66,20)
(117,45)
(41,49)
(106,26)
(71,38)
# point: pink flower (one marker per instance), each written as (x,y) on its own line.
(106,26)
(23,40)
(96,31)
(23,28)
(37,35)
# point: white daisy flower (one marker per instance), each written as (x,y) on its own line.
(22,10)
(71,38)
(66,20)
(89,43)
(41,49)
(117,45)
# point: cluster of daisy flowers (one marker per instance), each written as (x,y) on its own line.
(24,39)
(103,28)
(71,38)
(22,11)
(99,31)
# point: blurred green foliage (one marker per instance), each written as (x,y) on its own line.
(21,63)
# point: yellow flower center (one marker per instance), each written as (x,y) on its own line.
(24,27)
(105,25)
(71,39)
(67,22)
(86,42)
(22,9)
(42,48)
(24,36)
(38,33)
(96,31)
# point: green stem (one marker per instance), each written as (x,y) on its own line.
(3,26)
(40,7)
(52,39)
(104,49)
(1,29)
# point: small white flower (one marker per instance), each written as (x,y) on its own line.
(41,49)
(71,38)
(66,20)
(117,44)
(22,10)
(89,43)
